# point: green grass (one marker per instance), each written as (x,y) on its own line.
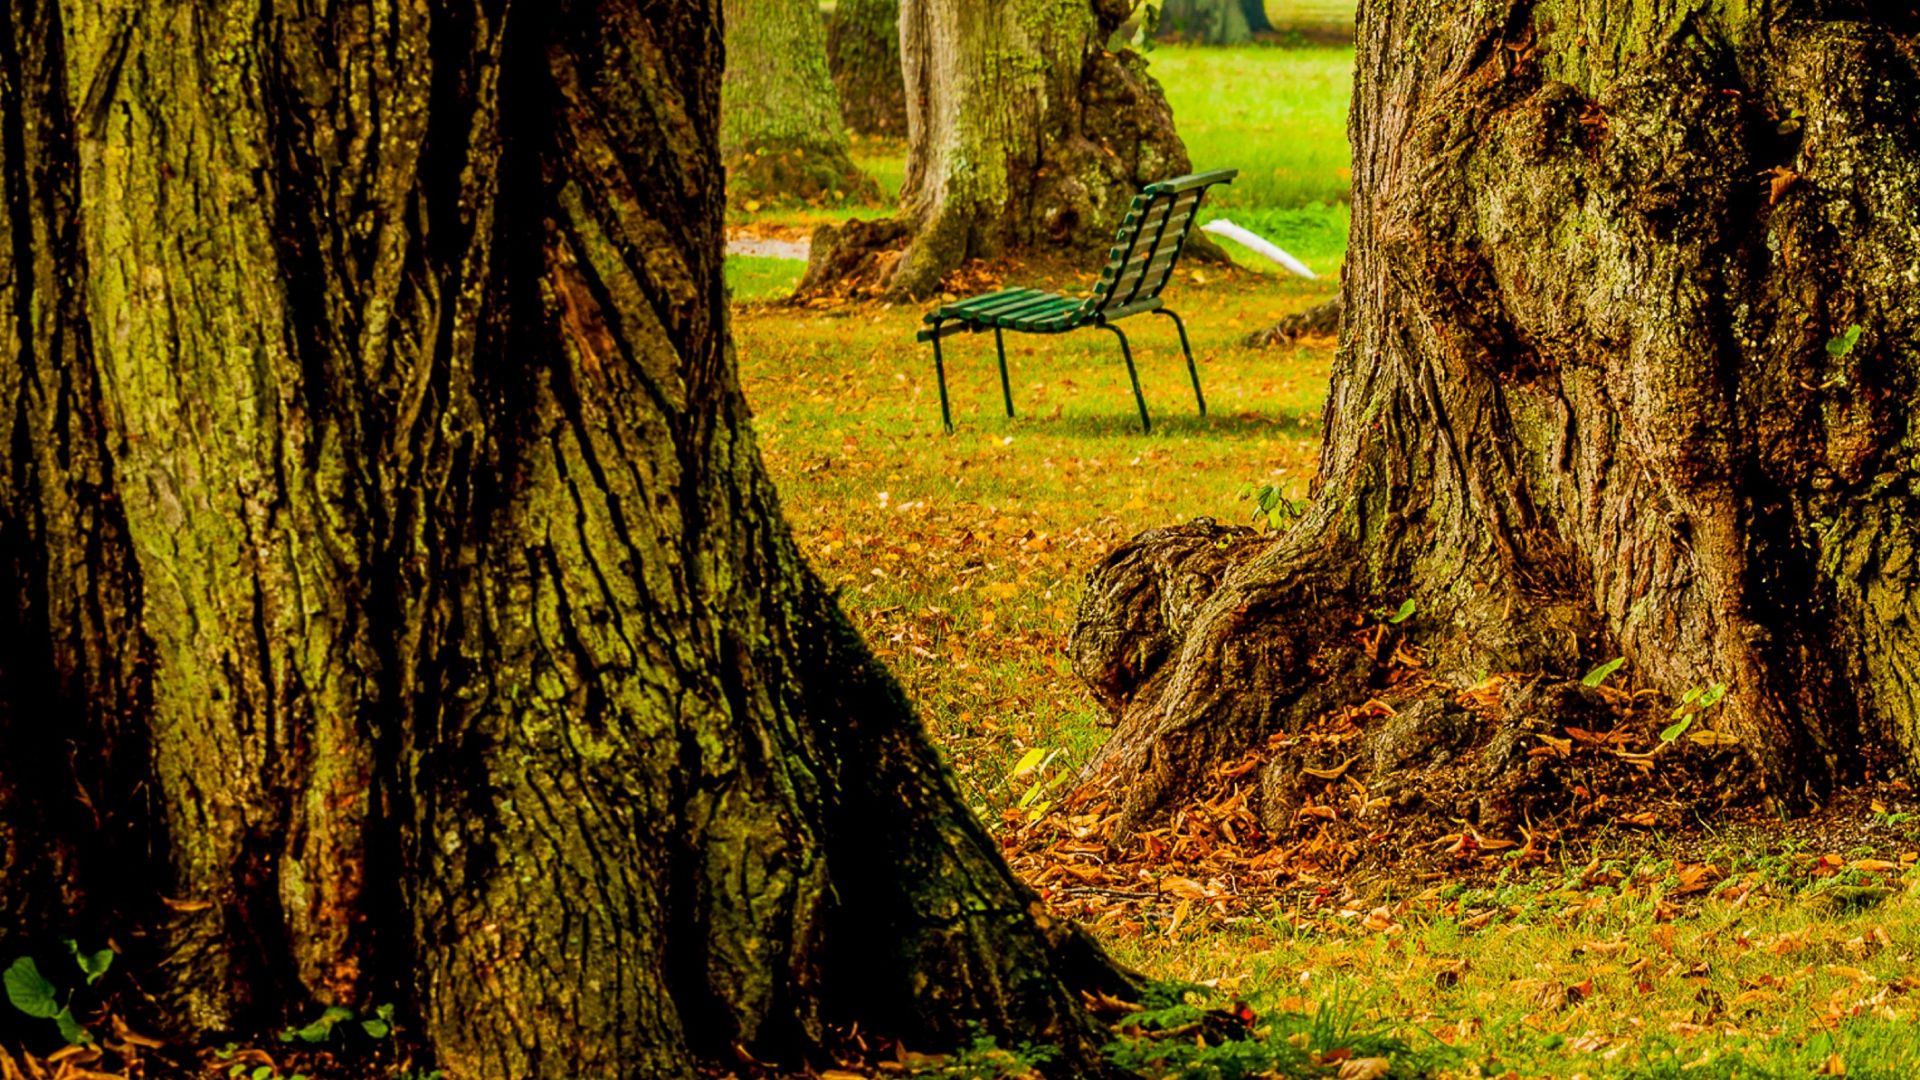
(1278,115)
(883,159)
(1754,979)
(961,558)
(754,278)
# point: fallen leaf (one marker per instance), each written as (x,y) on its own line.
(1367,1068)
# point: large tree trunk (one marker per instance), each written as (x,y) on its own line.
(1024,133)
(398,607)
(1255,12)
(863,52)
(780,125)
(1206,22)
(1589,400)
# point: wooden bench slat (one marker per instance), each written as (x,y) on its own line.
(975,305)
(1169,244)
(1043,302)
(1149,222)
(972,304)
(1194,182)
(1060,308)
(1153,275)
(1146,247)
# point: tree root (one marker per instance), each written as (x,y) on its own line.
(1321,320)
(1230,656)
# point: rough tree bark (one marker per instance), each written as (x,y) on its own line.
(780,125)
(863,52)
(398,607)
(1589,400)
(1023,133)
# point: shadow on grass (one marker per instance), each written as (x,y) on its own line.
(1234,426)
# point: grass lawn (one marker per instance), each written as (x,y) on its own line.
(1280,117)
(962,557)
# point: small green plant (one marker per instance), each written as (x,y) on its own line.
(39,997)
(1271,507)
(1891,819)
(335,1017)
(1395,618)
(1696,702)
(1841,346)
(1170,1037)
(260,1072)
(1032,772)
(1599,675)
(984,1059)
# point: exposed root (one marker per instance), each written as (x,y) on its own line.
(1321,320)
(1416,781)
(855,260)
(1239,661)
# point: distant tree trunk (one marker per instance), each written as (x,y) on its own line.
(1024,133)
(399,610)
(863,52)
(1205,22)
(781,131)
(1595,396)
(1255,12)
(1320,319)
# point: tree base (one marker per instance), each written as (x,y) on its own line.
(1235,658)
(814,175)
(1321,320)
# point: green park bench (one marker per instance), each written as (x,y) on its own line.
(1146,247)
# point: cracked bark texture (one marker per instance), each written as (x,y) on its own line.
(400,611)
(1585,403)
(1023,134)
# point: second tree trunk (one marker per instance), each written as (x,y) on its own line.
(1025,133)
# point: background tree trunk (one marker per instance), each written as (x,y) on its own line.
(1255,12)
(1589,400)
(863,52)
(399,608)
(1024,133)
(1205,22)
(780,125)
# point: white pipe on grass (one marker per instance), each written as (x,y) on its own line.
(1223,227)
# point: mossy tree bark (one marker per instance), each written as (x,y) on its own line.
(780,125)
(399,610)
(1589,399)
(1024,133)
(863,52)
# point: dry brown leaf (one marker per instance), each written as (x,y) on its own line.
(1367,1068)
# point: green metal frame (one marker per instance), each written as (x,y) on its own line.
(1146,249)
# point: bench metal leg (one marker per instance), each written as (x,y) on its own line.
(1146,425)
(940,376)
(1006,388)
(1192,372)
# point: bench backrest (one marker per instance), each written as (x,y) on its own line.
(1150,238)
